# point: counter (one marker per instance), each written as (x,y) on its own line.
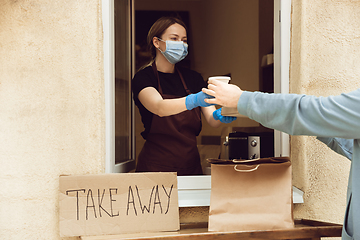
(304,229)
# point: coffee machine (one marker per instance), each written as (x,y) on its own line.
(247,143)
(243,146)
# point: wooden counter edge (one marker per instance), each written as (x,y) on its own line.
(304,229)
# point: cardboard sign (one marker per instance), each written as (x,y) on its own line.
(118,203)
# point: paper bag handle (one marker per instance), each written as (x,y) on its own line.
(249,170)
(244,160)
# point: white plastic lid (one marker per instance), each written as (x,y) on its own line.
(220,78)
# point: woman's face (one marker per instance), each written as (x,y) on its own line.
(175,32)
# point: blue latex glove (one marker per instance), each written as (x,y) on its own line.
(197,100)
(224,119)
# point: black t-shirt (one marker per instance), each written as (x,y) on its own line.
(170,84)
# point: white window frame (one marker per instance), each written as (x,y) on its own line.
(282,27)
(109,82)
(109,89)
(195,191)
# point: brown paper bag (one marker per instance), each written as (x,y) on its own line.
(250,194)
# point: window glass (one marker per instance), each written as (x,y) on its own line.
(123,115)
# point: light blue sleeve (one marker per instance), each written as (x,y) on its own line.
(340,145)
(334,116)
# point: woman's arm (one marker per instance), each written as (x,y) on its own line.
(208,114)
(153,101)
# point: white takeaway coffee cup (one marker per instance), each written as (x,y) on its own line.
(224,79)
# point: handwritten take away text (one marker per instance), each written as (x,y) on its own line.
(106,202)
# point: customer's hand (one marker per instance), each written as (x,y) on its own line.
(226,95)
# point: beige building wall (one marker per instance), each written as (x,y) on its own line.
(52,108)
(52,105)
(325,56)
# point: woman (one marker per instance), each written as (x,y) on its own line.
(169,110)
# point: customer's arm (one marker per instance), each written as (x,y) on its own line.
(340,145)
(334,116)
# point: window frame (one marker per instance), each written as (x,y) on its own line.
(282,24)
(108,20)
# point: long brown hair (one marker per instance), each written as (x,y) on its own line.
(158,29)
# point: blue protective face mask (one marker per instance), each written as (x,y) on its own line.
(175,51)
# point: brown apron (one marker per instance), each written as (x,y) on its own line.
(171,144)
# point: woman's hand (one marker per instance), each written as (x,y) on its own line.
(226,95)
(197,100)
(224,119)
